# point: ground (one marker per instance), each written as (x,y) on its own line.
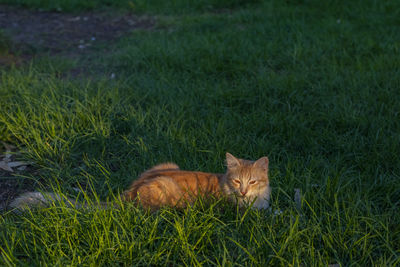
(32,34)
(38,32)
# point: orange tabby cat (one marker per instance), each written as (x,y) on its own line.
(166,185)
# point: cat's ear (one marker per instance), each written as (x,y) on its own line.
(231,161)
(262,163)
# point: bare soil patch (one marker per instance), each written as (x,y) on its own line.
(35,32)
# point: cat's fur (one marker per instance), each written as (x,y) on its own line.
(166,185)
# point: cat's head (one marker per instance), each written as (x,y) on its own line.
(246,178)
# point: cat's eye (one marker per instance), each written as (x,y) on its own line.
(237,181)
(252,182)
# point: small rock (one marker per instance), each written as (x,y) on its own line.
(75,19)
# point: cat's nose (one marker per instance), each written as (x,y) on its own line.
(243,193)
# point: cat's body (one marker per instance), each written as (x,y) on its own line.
(166,185)
(171,187)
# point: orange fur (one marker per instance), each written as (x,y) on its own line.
(167,185)
(157,188)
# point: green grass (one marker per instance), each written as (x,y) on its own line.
(313,85)
(4,43)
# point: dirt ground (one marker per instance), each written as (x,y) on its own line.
(34,33)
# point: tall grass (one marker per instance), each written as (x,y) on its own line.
(312,85)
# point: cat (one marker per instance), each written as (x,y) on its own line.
(166,185)
(245,182)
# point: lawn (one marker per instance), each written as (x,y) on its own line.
(313,85)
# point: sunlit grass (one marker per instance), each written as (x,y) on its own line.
(312,86)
